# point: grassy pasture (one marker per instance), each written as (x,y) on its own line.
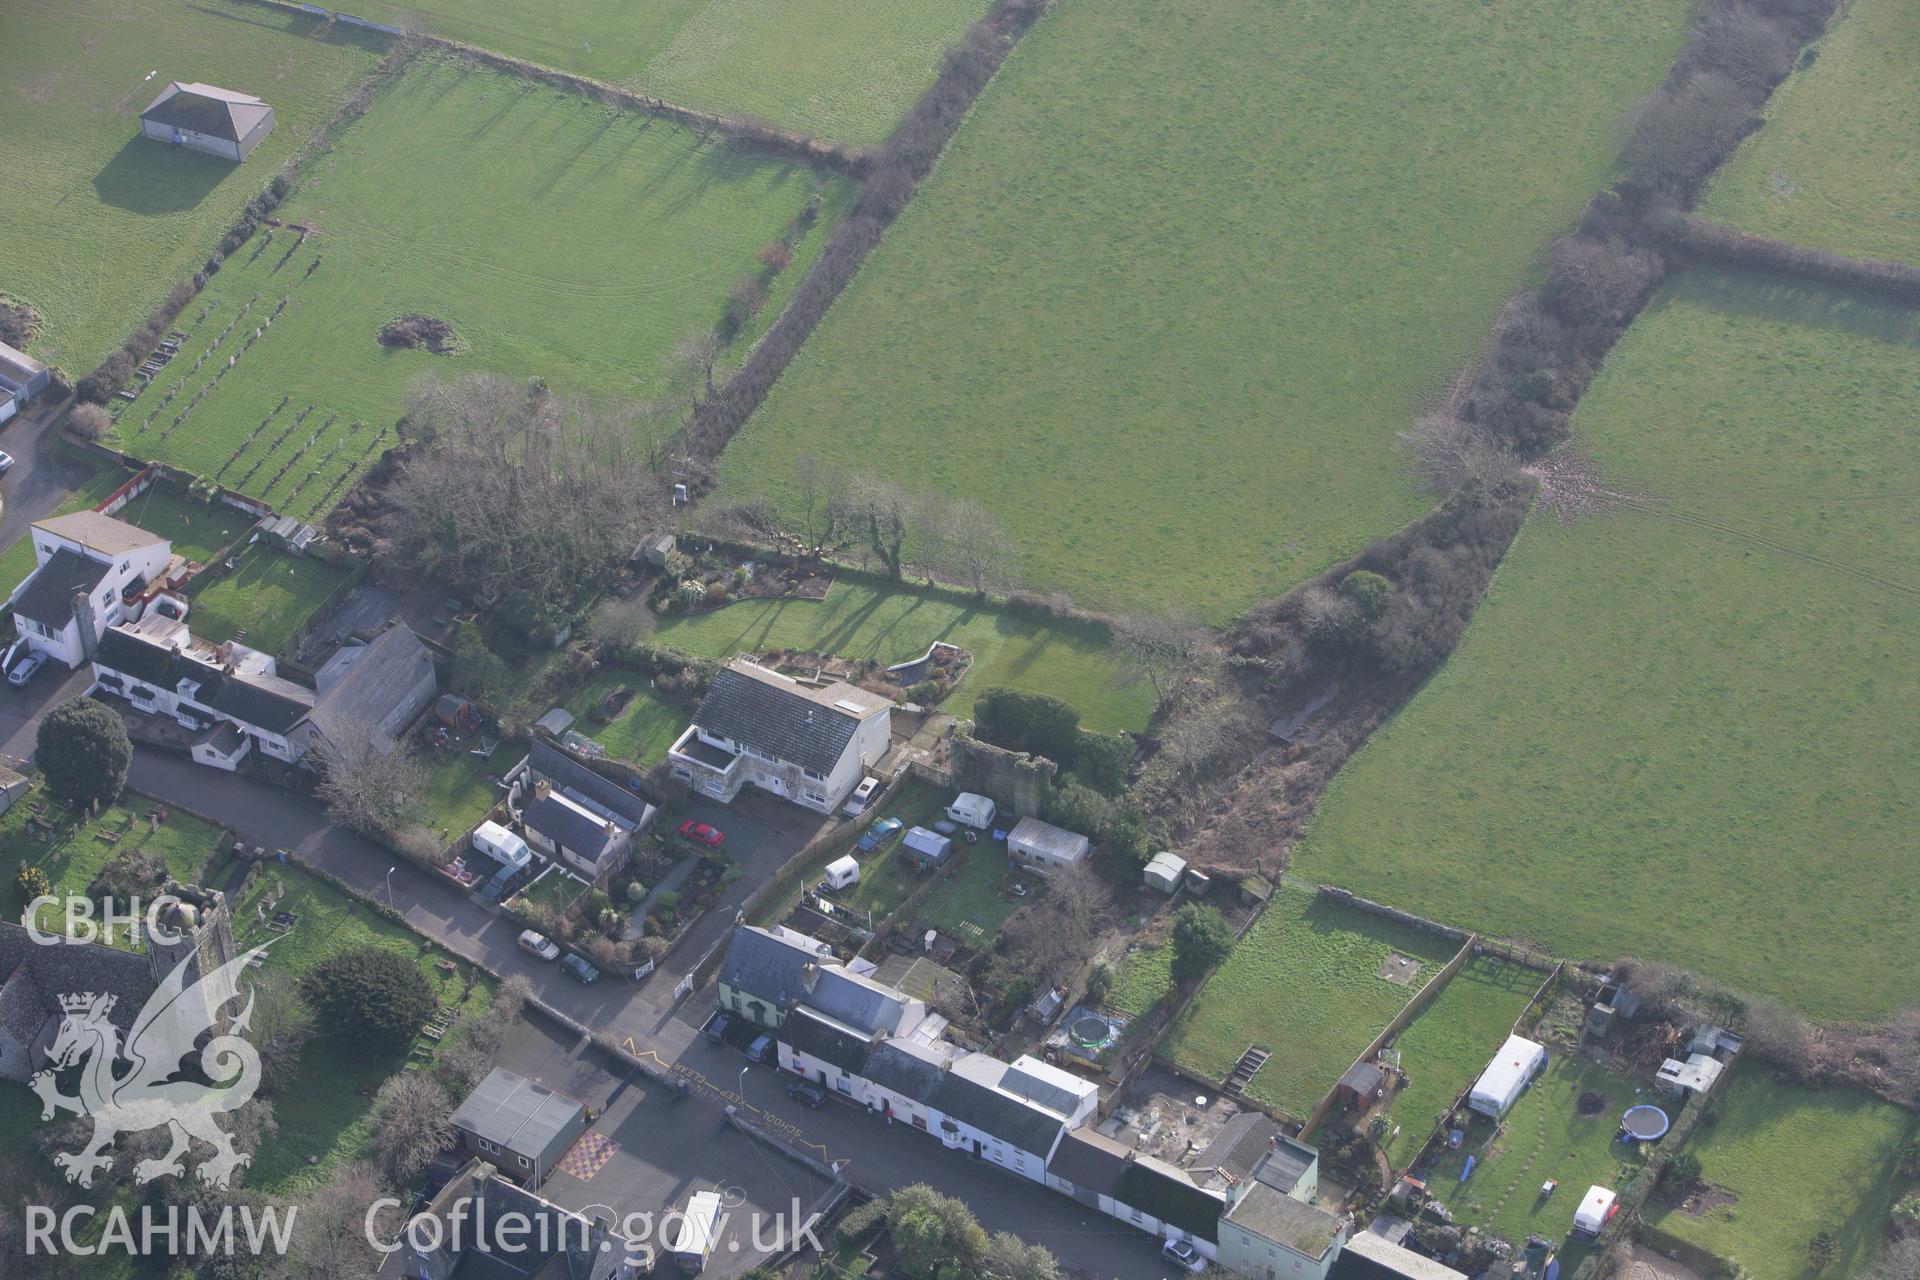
(1188,271)
(857,620)
(644,728)
(100,222)
(603,239)
(1305,985)
(1799,1161)
(268,597)
(839,70)
(1705,697)
(1447,1047)
(1544,1136)
(1140,980)
(1838,163)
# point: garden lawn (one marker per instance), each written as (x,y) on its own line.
(1544,1136)
(1453,1040)
(1188,271)
(460,791)
(1140,981)
(604,238)
(826,67)
(643,729)
(1705,696)
(325,1113)
(554,890)
(264,601)
(857,620)
(1305,985)
(1800,1161)
(101,222)
(969,904)
(1838,164)
(78,850)
(17,561)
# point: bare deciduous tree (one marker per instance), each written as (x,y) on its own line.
(1452,452)
(886,517)
(1900,1261)
(1747,46)
(623,623)
(362,787)
(827,507)
(518,494)
(330,1234)
(978,553)
(1169,652)
(413,1126)
(1598,282)
(1679,136)
(690,364)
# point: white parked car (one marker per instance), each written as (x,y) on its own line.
(27,668)
(1183,1254)
(540,945)
(862,796)
(6,463)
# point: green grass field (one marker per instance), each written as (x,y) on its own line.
(1447,1047)
(861,621)
(1838,163)
(1799,1161)
(79,849)
(264,601)
(101,222)
(1544,1136)
(1305,985)
(325,1114)
(603,239)
(969,903)
(1141,980)
(846,71)
(1187,272)
(643,729)
(1707,696)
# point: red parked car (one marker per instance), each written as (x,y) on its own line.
(701,833)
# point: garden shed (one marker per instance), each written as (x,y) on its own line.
(1362,1086)
(1164,870)
(1044,848)
(926,848)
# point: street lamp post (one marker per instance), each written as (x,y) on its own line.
(743,1083)
(390,871)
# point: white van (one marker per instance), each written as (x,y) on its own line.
(500,844)
(699,1229)
(970,810)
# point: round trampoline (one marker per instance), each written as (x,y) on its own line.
(1644,1123)
(1091,1031)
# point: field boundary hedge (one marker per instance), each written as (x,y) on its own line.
(892,173)
(747,131)
(1717,242)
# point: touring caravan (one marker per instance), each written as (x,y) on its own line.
(504,847)
(1507,1077)
(842,872)
(971,810)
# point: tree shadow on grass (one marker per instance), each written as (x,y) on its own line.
(149,178)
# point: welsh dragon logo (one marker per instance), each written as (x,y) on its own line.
(142,1092)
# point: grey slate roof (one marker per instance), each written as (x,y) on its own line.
(202,108)
(520,1115)
(1011,1120)
(856,1001)
(48,595)
(362,685)
(1238,1146)
(568,774)
(567,826)
(821,1039)
(1372,1257)
(24,1008)
(1284,1166)
(265,702)
(1166,1194)
(17,366)
(68,967)
(908,1069)
(1363,1078)
(781,722)
(759,964)
(1089,1160)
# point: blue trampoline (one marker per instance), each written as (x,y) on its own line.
(1644,1123)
